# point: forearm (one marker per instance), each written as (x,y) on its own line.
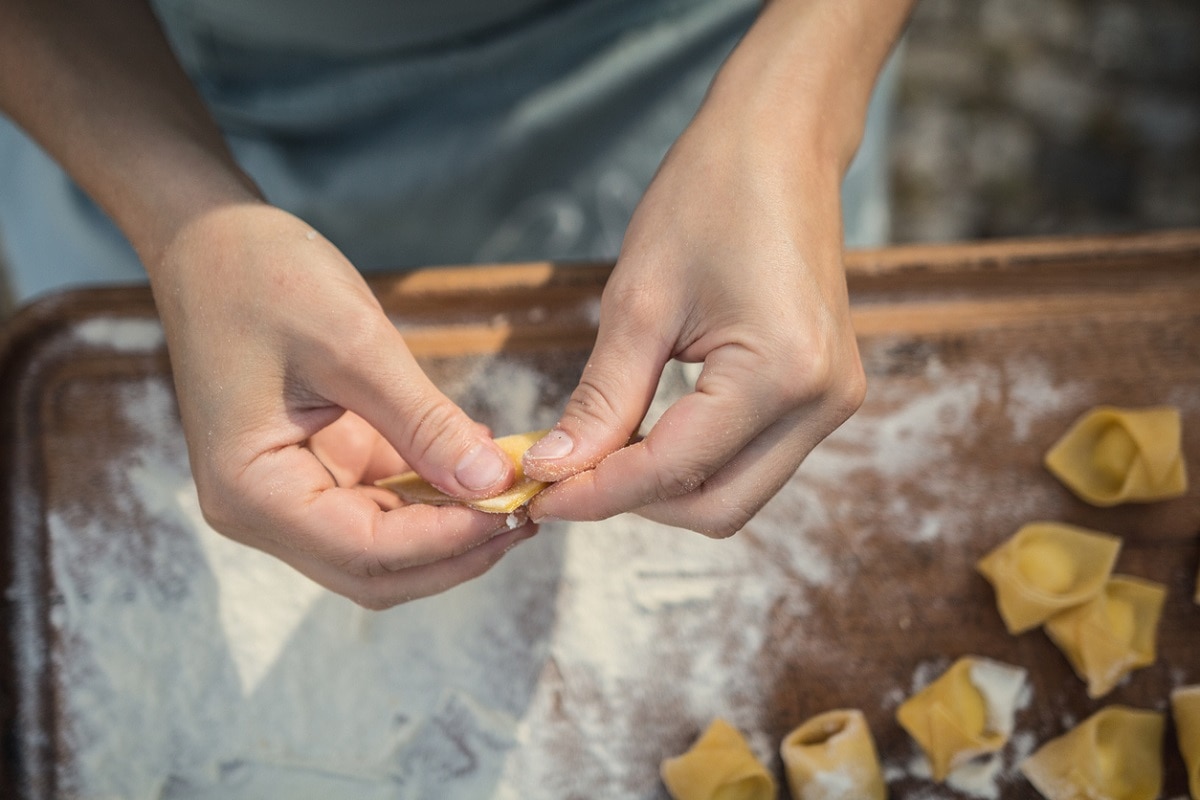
(802,76)
(97,86)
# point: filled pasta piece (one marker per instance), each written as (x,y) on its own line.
(1112,634)
(1120,455)
(1045,568)
(1116,754)
(1185,708)
(967,712)
(719,766)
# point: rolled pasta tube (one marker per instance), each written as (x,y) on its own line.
(832,756)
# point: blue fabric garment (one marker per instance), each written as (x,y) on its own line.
(415,134)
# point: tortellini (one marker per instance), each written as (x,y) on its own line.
(1185,707)
(1115,754)
(1120,455)
(832,756)
(967,712)
(719,766)
(1046,567)
(1112,634)
(412,488)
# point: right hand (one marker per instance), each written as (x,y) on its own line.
(296,391)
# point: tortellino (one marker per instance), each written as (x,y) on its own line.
(1185,707)
(831,757)
(1116,754)
(719,766)
(412,488)
(968,712)
(1120,455)
(1046,567)
(1112,634)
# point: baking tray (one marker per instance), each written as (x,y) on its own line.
(601,648)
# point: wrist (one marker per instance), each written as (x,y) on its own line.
(802,76)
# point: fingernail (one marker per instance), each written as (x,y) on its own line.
(554,444)
(481,468)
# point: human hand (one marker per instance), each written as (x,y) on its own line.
(295,390)
(732,259)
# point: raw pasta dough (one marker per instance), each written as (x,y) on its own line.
(1185,706)
(1116,754)
(832,757)
(1046,567)
(719,766)
(412,488)
(1112,634)
(1119,455)
(967,712)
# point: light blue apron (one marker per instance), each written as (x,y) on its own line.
(415,134)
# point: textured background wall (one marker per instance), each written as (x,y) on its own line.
(1030,117)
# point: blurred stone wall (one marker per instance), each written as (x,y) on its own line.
(1032,117)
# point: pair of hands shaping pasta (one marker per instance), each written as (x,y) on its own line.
(296,391)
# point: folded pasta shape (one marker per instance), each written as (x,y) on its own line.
(965,713)
(1112,634)
(1115,754)
(1185,707)
(1120,455)
(1046,567)
(412,488)
(832,756)
(719,766)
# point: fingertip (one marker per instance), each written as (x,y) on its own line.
(549,459)
(484,468)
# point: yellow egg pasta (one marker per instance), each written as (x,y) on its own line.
(832,756)
(412,488)
(1046,567)
(1112,634)
(1185,707)
(1115,754)
(719,766)
(1120,455)
(965,713)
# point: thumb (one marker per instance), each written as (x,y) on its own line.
(606,408)
(433,435)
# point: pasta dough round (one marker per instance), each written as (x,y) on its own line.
(412,488)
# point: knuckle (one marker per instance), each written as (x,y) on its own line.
(593,401)
(431,423)
(679,480)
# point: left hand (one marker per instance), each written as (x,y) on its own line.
(734,259)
